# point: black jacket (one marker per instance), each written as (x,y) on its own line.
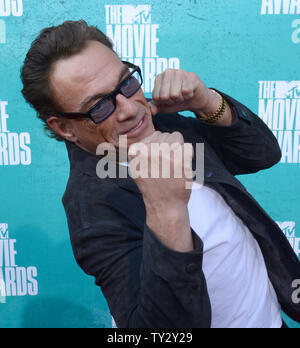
(145,283)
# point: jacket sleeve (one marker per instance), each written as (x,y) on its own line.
(246,146)
(145,284)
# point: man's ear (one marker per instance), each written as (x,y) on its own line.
(62,127)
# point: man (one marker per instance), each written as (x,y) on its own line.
(164,255)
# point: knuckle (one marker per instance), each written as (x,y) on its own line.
(164,136)
(175,96)
(187,90)
(177,133)
(156,133)
(178,136)
(155,96)
(164,96)
(188,96)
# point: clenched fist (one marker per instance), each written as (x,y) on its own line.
(179,90)
(165,196)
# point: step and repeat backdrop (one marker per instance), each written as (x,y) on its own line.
(248,49)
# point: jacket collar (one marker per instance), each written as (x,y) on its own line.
(86,163)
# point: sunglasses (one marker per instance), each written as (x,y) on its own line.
(107,105)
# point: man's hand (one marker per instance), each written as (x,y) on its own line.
(179,90)
(165,199)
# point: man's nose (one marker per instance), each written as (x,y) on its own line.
(126,108)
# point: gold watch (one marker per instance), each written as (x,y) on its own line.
(213,118)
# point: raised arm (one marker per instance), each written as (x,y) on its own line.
(241,139)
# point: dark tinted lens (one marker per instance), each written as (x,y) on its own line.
(131,85)
(102,109)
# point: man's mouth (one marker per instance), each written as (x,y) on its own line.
(135,129)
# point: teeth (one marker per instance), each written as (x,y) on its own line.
(140,123)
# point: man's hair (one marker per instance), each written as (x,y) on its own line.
(52,44)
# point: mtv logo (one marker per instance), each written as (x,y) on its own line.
(3,231)
(288,228)
(139,14)
(286,89)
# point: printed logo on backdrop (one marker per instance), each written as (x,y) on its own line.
(14,280)
(284,8)
(289,230)
(14,149)
(279,108)
(9,8)
(135,39)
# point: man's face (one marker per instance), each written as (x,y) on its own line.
(78,82)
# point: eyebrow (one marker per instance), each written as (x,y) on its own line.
(97,96)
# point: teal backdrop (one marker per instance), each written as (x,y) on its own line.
(248,49)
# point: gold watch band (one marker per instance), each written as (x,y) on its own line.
(213,118)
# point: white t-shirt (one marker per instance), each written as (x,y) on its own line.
(240,291)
